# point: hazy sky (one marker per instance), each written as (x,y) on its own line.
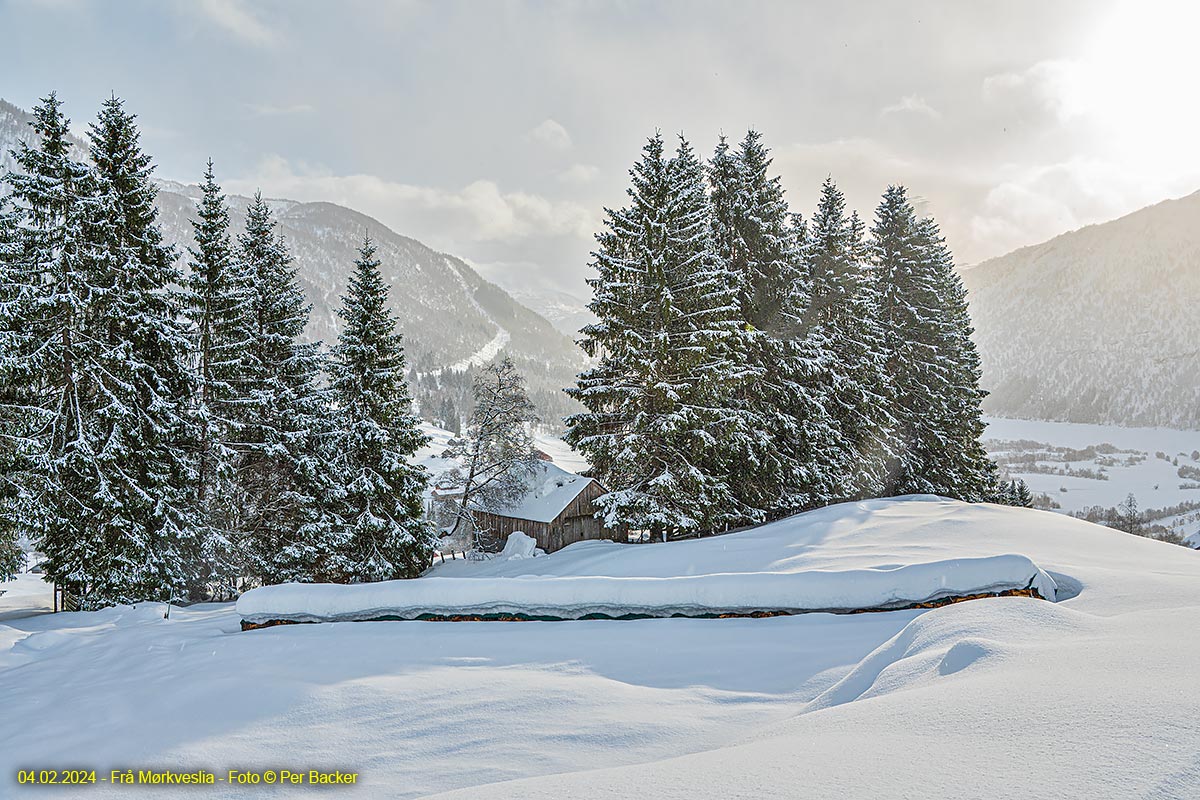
(499,130)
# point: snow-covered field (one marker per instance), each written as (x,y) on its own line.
(1136,469)
(1079,435)
(1093,696)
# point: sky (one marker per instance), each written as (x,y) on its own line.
(499,131)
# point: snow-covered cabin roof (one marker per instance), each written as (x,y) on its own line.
(550,489)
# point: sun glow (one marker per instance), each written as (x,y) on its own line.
(1137,82)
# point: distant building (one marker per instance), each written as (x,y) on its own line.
(557,509)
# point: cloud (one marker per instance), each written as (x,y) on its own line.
(269,110)
(551,134)
(234,17)
(911,104)
(1033,204)
(861,166)
(1057,86)
(579,174)
(478,212)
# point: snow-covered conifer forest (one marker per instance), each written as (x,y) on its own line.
(167,433)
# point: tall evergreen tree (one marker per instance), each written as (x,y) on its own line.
(219,306)
(284,488)
(656,400)
(145,431)
(17,391)
(108,408)
(842,315)
(781,462)
(51,374)
(930,359)
(382,504)
(750,222)
(965,466)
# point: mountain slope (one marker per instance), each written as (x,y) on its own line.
(448,313)
(1098,325)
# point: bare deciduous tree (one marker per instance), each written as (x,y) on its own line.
(497,452)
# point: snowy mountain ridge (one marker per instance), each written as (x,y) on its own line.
(1098,325)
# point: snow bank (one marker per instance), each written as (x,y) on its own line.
(684,595)
(519,545)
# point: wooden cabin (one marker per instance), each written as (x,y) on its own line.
(557,510)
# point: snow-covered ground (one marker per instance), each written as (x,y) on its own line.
(1079,435)
(484,354)
(430,456)
(1093,696)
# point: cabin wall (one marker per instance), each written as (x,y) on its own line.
(577,522)
(501,526)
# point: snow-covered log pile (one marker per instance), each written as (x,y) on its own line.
(789,567)
(600,597)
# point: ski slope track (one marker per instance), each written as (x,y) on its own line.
(493,347)
(484,354)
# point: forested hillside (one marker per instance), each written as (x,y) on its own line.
(1097,325)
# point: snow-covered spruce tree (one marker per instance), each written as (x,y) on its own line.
(220,309)
(1021,494)
(17,391)
(284,488)
(751,232)
(658,400)
(931,362)
(51,402)
(968,470)
(497,453)
(779,457)
(842,315)
(143,429)
(1013,492)
(381,493)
